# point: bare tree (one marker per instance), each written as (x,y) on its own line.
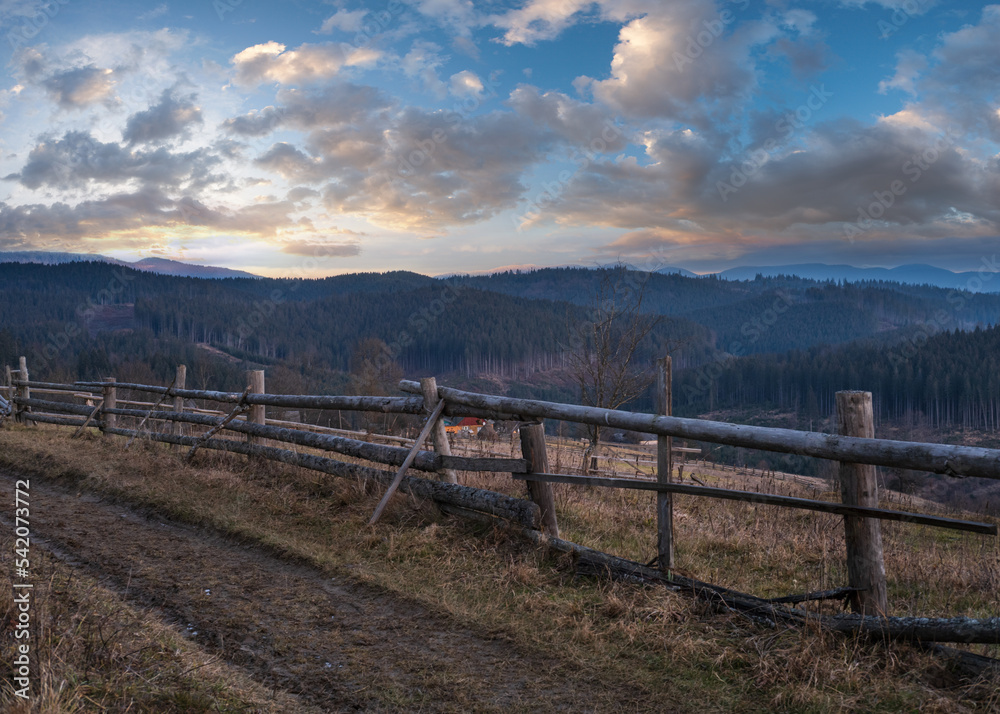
(606,362)
(374,372)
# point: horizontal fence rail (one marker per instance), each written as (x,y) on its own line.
(937,458)
(767,499)
(390,455)
(393,405)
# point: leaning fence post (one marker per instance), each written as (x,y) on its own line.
(533,449)
(858,487)
(664,468)
(257,415)
(109,421)
(180,379)
(428,387)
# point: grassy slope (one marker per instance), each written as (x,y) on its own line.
(662,644)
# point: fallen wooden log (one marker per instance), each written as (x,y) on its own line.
(923,629)
(835,594)
(524,513)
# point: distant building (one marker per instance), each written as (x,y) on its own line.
(467,425)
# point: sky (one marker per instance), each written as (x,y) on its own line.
(443,136)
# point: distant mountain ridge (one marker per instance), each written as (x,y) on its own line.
(985,280)
(163,266)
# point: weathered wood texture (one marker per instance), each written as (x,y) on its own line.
(858,487)
(393,405)
(255,385)
(180,382)
(955,629)
(25,390)
(835,594)
(108,419)
(56,386)
(9,384)
(145,417)
(424,433)
(341,432)
(240,408)
(534,451)
(428,388)
(46,405)
(390,455)
(53,419)
(90,417)
(767,499)
(664,469)
(517,510)
(937,458)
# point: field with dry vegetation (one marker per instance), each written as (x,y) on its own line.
(519,630)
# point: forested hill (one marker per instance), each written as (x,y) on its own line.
(78,319)
(938,378)
(82,319)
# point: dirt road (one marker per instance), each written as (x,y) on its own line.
(295,629)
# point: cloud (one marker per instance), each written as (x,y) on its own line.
(133,216)
(270,62)
(345,20)
(466,83)
(332,105)
(456,16)
(682,62)
(77,158)
(169,118)
(439,169)
(896,180)
(911,7)
(291,163)
(807,56)
(583,126)
(78,88)
(158,11)
(909,66)
(422,62)
(301,193)
(957,83)
(321,250)
(539,20)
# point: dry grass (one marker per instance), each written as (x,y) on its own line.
(662,644)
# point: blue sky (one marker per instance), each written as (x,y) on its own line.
(444,135)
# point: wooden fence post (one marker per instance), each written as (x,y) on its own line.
(533,449)
(180,380)
(257,415)
(428,386)
(109,421)
(25,390)
(858,487)
(664,469)
(9,387)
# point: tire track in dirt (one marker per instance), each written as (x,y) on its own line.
(325,639)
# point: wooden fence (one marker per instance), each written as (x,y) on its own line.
(97,403)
